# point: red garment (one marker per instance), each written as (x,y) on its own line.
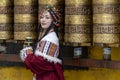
(44,69)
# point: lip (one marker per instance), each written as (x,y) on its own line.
(43,23)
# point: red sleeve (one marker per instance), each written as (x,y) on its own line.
(37,64)
(40,66)
(59,71)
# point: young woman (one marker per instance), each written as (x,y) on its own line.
(44,61)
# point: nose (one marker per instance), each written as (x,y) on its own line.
(43,19)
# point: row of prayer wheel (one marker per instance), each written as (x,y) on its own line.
(106,21)
(78,21)
(25,19)
(6,19)
(18,19)
(92,21)
(83,21)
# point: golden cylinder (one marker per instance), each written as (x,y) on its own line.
(6,2)
(25,19)
(106,1)
(57,4)
(106,21)
(25,2)
(78,2)
(6,22)
(22,35)
(51,2)
(78,21)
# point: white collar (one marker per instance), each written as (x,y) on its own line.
(52,37)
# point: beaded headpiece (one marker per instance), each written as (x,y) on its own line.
(55,13)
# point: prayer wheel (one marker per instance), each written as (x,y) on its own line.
(25,19)
(57,4)
(6,22)
(106,21)
(78,21)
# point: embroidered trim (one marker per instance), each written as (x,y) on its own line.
(49,58)
(48,48)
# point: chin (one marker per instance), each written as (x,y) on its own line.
(44,27)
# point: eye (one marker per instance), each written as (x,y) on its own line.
(41,17)
(48,18)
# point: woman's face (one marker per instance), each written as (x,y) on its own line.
(45,19)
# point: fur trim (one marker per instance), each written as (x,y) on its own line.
(49,58)
(24,52)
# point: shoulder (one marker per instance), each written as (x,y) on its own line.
(51,37)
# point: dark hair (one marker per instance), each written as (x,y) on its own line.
(47,31)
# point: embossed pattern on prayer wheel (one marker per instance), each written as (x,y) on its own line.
(106,21)
(6,22)
(78,21)
(25,19)
(57,4)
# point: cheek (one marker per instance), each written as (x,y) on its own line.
(50,21)
(48,24)
(40,20)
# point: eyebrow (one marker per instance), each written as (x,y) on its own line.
(46,15)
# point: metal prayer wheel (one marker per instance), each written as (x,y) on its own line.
(6,22)
(25,19)
(106,21)
(57,4)
(78,21)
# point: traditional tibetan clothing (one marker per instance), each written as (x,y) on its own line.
(44,63)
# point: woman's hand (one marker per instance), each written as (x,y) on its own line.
(24,52)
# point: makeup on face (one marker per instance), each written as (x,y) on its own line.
(45,19)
